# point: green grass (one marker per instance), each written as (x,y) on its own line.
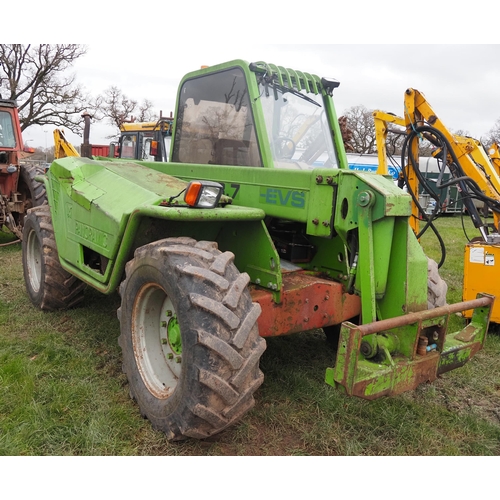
(62,391)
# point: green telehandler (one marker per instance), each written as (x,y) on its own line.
(255,228)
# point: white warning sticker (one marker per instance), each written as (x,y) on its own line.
(477,255)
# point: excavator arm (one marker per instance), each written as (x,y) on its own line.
(62,147)
(474,171)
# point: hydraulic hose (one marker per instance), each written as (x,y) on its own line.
(467,187)
(466,183)
(429,220)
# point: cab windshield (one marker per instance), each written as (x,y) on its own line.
(297,127)
(7,137)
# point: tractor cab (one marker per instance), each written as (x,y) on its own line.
(11,142)
(149,141)
(251,117)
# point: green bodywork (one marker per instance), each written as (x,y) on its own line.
(355,222)
(103,211)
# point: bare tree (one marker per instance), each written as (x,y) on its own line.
(493,135)
(146,113)
(460,132)
(346,134)
(36,77)
(118,108)
(359,120)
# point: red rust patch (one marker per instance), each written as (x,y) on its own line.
(308,302)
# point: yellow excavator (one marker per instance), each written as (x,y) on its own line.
(62,147)
(464,163)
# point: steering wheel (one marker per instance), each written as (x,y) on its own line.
(285,147)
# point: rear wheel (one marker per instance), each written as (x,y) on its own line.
(33,192)
(49,286)
(189,337)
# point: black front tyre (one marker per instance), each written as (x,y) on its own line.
(49,286)
(189,337)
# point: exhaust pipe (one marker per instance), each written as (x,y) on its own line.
(86,147)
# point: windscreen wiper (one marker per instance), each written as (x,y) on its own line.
(267,77)
(284,90)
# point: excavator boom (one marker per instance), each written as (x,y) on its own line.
(473,170)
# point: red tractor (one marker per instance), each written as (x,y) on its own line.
(19,190)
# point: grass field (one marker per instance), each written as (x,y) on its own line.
(62,391)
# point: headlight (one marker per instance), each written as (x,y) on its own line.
(203,194)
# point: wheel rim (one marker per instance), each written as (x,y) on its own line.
(34,261)
(156,340)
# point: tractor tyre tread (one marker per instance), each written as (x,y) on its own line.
(220,342)
(37,189)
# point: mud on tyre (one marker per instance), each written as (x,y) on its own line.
(49,286)
(189,337)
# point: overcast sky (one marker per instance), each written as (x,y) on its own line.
(461,82)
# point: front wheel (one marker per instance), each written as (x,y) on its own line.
(189,337)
